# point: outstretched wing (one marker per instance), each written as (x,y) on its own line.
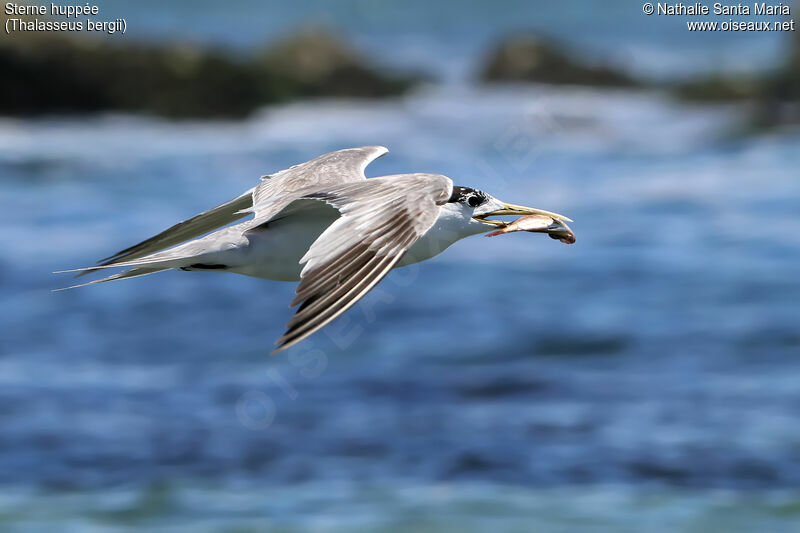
(381,219)
(328,170)
(182,231)
(273,194)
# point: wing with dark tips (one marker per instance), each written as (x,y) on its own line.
(267,199)
(381,219)
(201,224)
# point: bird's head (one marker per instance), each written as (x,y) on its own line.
(477,206)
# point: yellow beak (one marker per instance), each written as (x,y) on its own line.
(513,209)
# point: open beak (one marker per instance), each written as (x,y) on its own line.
(520,210)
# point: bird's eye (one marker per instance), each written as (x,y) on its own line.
(474,201)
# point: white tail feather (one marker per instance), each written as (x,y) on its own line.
(132,273)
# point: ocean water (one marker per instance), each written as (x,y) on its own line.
(643,379)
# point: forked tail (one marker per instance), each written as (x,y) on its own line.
(132,273)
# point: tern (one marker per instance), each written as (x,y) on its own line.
(324,224)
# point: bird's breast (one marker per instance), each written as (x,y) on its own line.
(447,230)
(274,250)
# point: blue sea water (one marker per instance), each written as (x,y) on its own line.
(643,379)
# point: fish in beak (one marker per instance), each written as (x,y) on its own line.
(532,219)
(555,228)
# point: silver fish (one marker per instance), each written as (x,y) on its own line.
(556,229)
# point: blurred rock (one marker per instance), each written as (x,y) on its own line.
(47,73)
(529,58)
(774,96)
(316,63)
(719,89)
(780,101)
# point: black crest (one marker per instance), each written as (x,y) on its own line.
(467,195)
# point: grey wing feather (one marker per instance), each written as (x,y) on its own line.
(182,231)
(381,219)
(132,273)
(335,168)
(275,193)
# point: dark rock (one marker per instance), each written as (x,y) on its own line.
(531,59)
(65,74)
(719,89)
(780,100)
(774,97)
(315,63)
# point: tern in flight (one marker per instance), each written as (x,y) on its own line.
(324,224)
